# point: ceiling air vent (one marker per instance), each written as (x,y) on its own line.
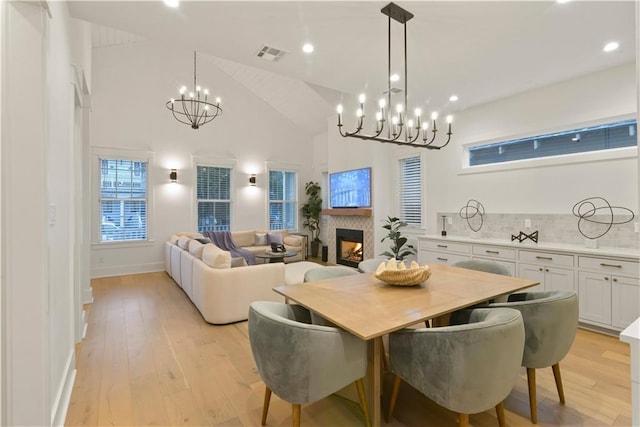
(270,53)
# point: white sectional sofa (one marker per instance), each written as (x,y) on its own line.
(222,293)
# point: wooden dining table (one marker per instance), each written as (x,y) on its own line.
(369,308)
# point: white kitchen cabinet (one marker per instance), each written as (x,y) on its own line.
(609,291)
(442,252)
(506,257)
(549,268)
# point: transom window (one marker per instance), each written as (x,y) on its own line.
(123,200)
(283,200)
(595,138)
(213,189)
(410,191)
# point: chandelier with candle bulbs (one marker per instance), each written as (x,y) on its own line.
(402,130)
(193,108)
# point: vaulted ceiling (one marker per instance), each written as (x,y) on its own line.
(478,50)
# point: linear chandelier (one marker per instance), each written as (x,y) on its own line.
(194,109)
(401,131)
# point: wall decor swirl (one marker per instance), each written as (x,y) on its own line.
(598,210)
(473,213)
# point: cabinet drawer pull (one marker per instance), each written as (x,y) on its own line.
(548,258)
(443,246)
(615,280)
(492,252)
(442,259)
(602,264)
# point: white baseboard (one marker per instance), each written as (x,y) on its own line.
(121,270)
(61,400)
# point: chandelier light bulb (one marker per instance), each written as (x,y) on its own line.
(394,120)
(425,126)
(362,98)
(183,89)
(218,100)
(172,100)
(206,91)
(198,88)
(206,107)
(434,115)
(453,98)
(379,116)
(382,103)
(339,108)
(449,118)
(394,77)
(399,108)
(359,112)
(410,123)
(190,94)
(418,112)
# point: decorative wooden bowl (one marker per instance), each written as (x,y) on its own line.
(403,276)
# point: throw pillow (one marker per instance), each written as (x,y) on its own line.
(274,238)
(203,240)
(238,262)
(261,239)
(215,257)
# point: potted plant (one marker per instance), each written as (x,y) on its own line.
(311,211)
(394,225)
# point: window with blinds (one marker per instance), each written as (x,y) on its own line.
(595,138)
(123,200)
(213,198)
(410,191)
(283,200)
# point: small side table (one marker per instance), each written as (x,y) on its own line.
(305,243)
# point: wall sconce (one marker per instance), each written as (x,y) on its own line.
(252,180)
(173,175)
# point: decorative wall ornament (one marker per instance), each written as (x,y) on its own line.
(587,209)
(473,209)
(524,236)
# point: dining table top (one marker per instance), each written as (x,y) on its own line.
(369,308)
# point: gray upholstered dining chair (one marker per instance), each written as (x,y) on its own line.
(322,273)
(483,265)
(328,272)
(301,362)
(370,265)
(467,367)
(550,324)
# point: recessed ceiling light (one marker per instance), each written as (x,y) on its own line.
(172,3)
(611,46)
(394,77)
(453,98)
(562,1)
(307,48)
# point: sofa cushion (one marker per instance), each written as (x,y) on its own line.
(215,257)
(238,262)
(183,242)
(274,238)
(292,240)
(243,238)
(195,248)
(261,239)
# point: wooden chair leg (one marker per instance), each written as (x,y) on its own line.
(463,420)
(558,378)
(500,414)
(394,397)
(265,404)
(363,401)
(531,379)
(296,415)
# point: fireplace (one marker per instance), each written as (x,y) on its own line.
(349,247)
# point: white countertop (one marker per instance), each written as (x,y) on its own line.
(632,333)
(546,246)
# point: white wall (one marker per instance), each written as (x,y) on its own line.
(131,84)
(550,189)
(37,147)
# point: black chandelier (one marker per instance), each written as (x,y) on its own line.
(401,131)
(194,109)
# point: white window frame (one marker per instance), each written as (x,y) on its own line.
(399,161)
(217,163)
(563,159)
(99,153)
(283,168)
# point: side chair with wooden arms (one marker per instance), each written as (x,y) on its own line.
(550,324)
(467,367)
(301,362)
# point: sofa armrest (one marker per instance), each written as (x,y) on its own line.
(293,240)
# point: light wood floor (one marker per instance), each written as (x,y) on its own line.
(150,359)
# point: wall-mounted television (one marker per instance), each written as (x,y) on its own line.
(350,189)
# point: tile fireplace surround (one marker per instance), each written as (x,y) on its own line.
(354,223)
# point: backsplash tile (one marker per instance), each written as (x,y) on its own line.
(552,228)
